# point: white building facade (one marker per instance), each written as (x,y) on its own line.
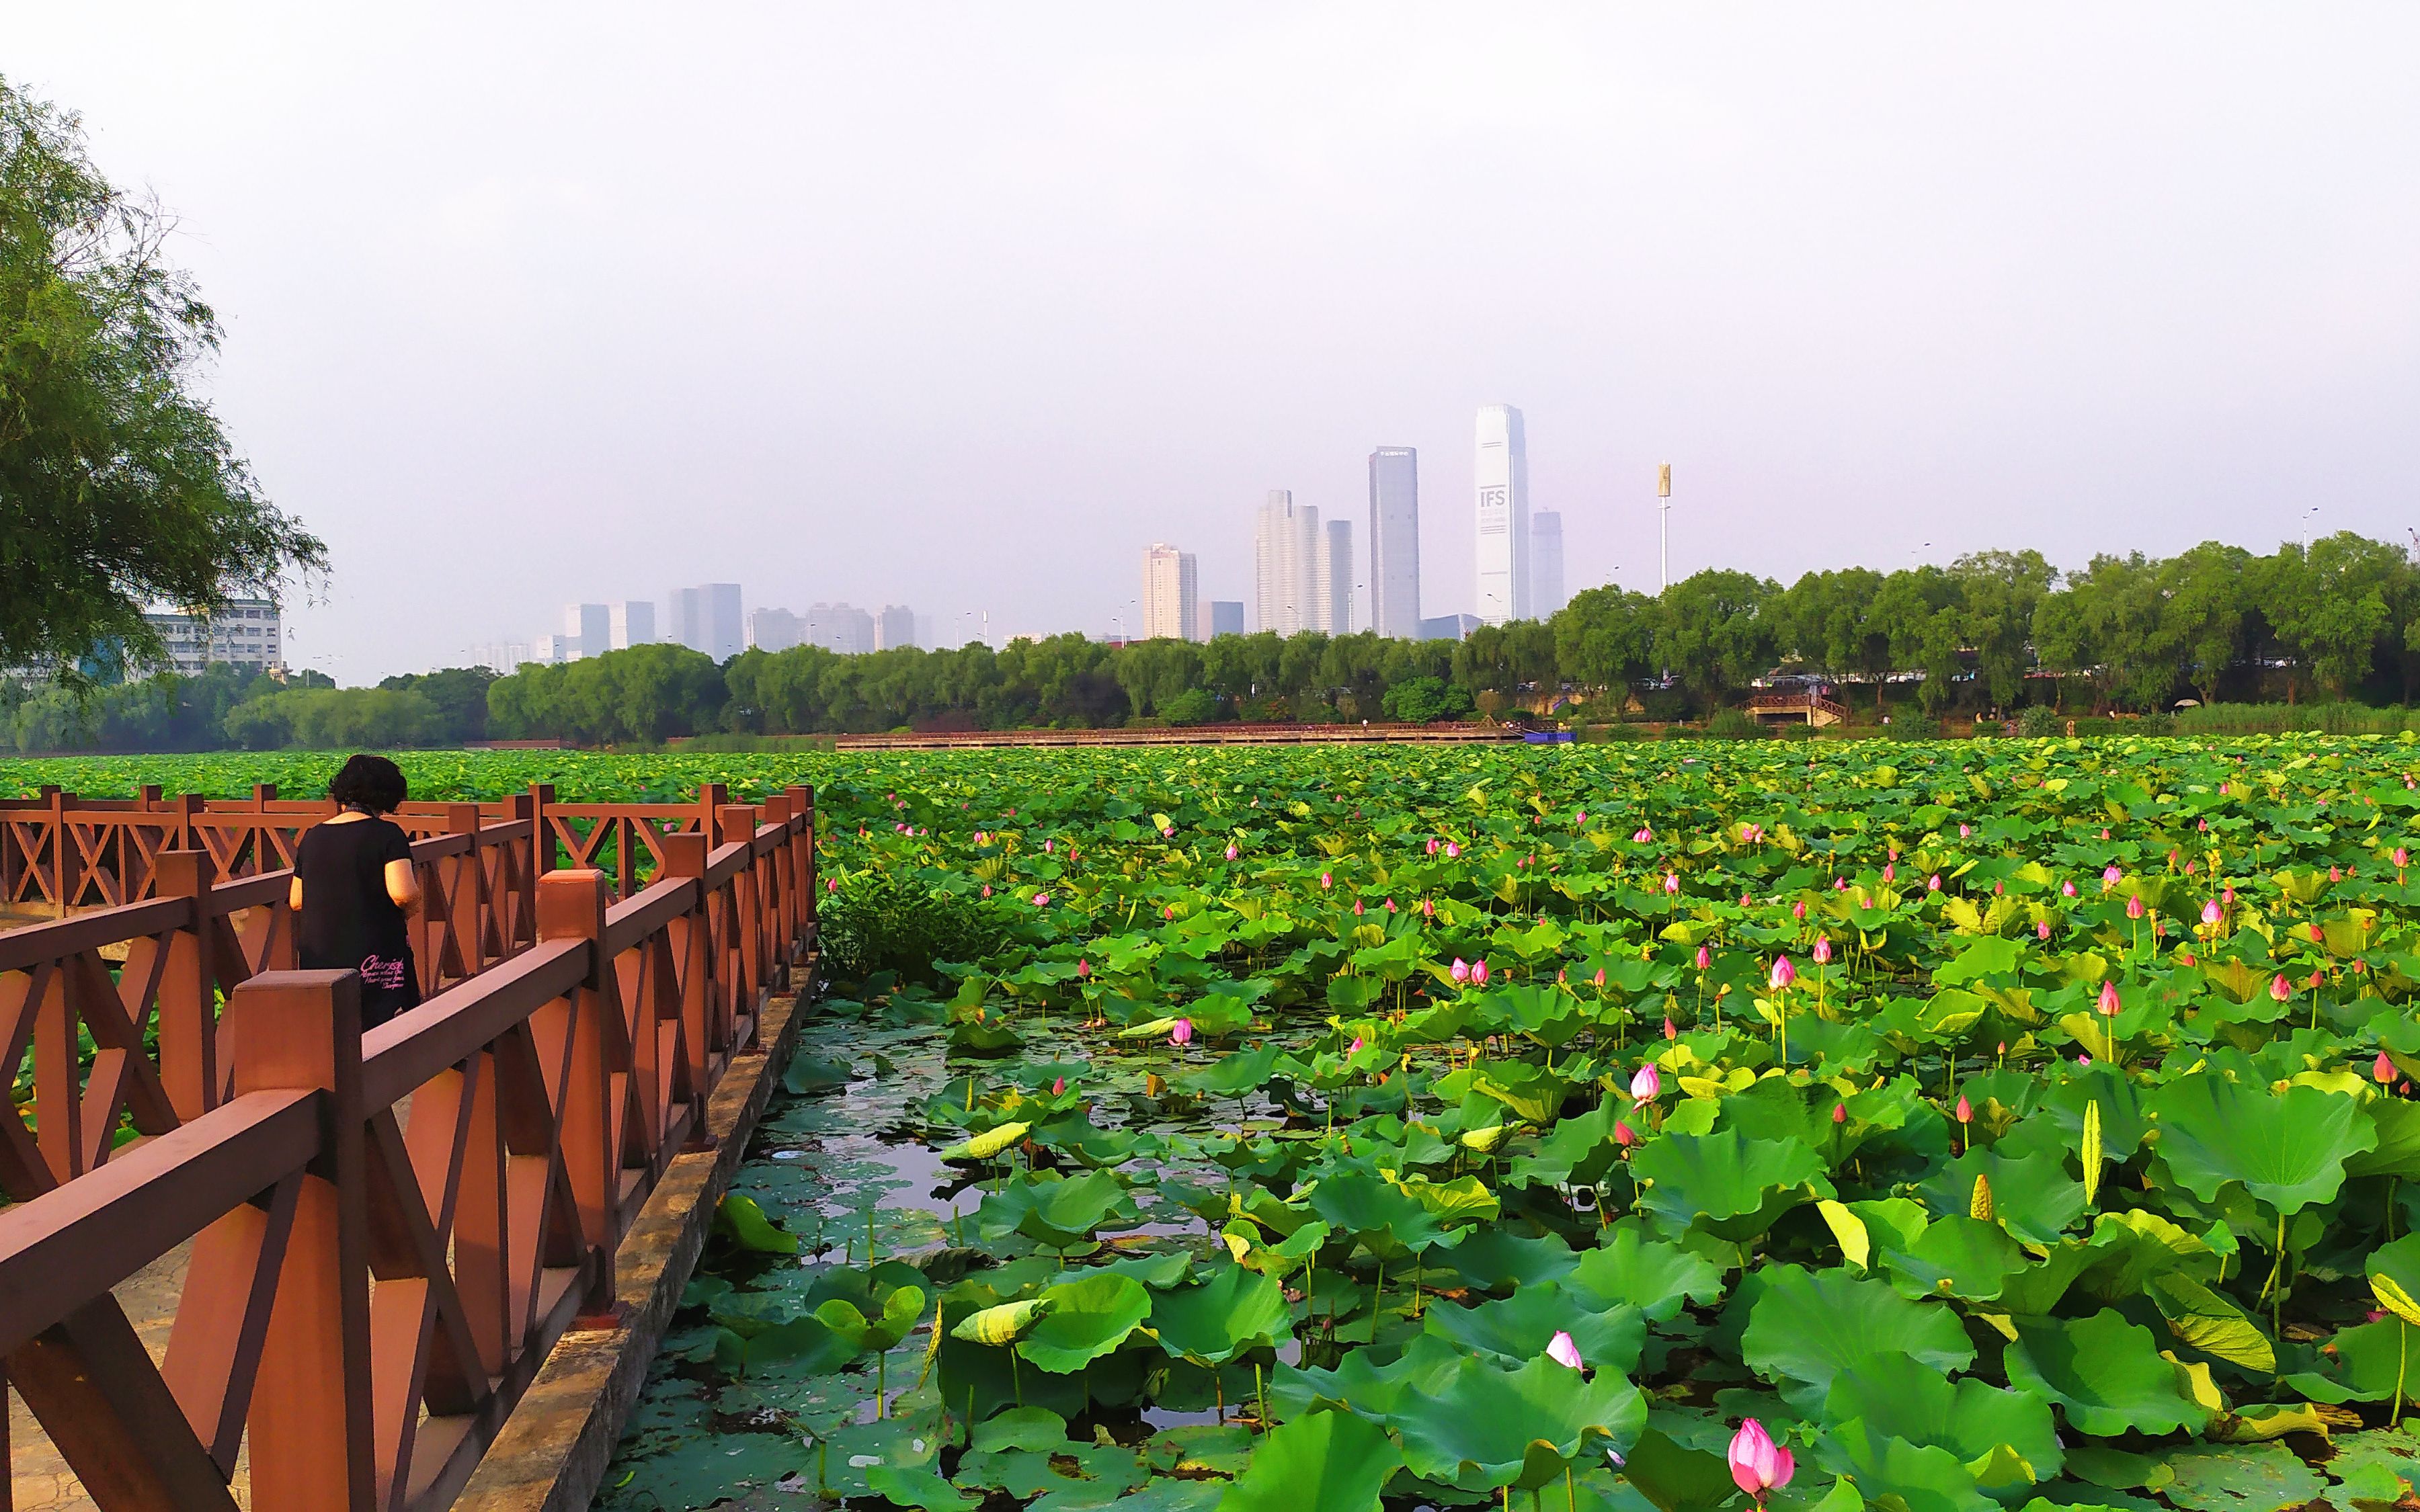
(1285,551)
(1503,479)
(248,633)
(1546,594)
(1395,541)
(1170,588)
(1332,585)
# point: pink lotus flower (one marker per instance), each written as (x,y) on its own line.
(2279,988)
(1671,884)
(2335,873)
(1427,908)
(1839,1113)
(1890,871)
(1453,850)
(987,891)
(1231,853)
(1705,958)
(2066,890)
(2383,1068)
(832,884)
(1479,972)
(2041,928)
(1168,831)
(2403,856)
(1041,900)
(1461,969)
(1327,881)
(1823,949)
(2109,999)
(1758,1464)
(2083,1060)
(1564,1352)
(1083,968)
(2134,906)
(1599,978)
(1623,1134)
(1356,908)
(1798,910)
(1432,845)
(2112,877)
(1783,973)
(2211,913)
(1646,836)
(1646,1084)
(1046,846)
(1583,817)
(1355,1048)
(1059,1087)
(1169,912)
(1181,1032)
(1390,906)
(1965,1110)
(1964,832)
(1671,1030)
(1932,883)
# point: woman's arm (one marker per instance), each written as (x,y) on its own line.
(294,893)
(402,884)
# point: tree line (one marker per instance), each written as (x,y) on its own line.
(1989,633)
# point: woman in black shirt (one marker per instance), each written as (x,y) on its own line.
(354,887)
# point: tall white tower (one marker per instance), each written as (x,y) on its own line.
(1285,558)
(1503,474)
(1170,589)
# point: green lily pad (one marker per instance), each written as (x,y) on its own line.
(2244,1477)
(1656,1277)
(2104,1374)
(1896,1396)
(1234,1311)
(1807,1327)
(2287,1151)
(1087,1320)
(1482,1427)
(745,1221)
(1731,1186)
(1325,1462)
(1519,1327)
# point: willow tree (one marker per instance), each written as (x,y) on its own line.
(118,485)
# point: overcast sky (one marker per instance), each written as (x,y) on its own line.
(962,307)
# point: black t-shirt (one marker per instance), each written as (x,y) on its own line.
(348,921)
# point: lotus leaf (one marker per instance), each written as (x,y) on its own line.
(2289,1151)
(1324,1462)
(1982,1426)
(1087,1319)
(1482,1427)
(1232,1311)
(1519,1327)
(2104,1374)
(1728,1185)
(1806,1327)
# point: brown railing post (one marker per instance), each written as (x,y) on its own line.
(695,966)
(65,874)
(571,1033)
(310,1425)
(802,801)
(466,888)
(189,1061)
(188,809)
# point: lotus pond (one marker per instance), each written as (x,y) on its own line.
(1993,1124)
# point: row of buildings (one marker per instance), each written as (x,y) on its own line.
(1303,575)
(708,618)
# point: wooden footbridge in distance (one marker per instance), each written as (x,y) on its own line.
(255,1258)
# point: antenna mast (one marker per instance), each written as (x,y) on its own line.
(1664,513)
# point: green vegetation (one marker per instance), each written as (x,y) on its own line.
(2070,1162)
(117,485)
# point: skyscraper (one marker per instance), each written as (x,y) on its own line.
(1545,564)
(1226,617)
(1333,591)
(1395,541)
(630,623)
(706,618)
(1504,476)
(1170,580)
(895,627)
(1285,551)
(584,631)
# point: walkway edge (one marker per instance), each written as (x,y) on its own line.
(554,1450)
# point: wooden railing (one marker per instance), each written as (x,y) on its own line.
(1795,704)
(389,1230)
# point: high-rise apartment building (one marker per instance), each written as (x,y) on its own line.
(1224,616)
(1545,564)
(895,627)
(246,633)
(584,631)
(1170,583)
(1285,552)
(1395,541)
(1503,478)
(842,627)
(1332,584)
(772,629)
(630,623)
(708,618)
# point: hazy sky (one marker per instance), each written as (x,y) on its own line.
(962,307)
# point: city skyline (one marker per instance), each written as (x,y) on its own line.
(1500,477)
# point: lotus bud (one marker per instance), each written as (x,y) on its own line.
(1046,846)
(1671,884)
(2110,878)
(1623,1134)
(2226,898)
(1705,958)
(1890,871)
(1798,910)
(2134,906)
(2041,928)
(987,890)
(1646,1084)
(1479,972)
(1964,832)
(1758,1464)
(1427,908)
(1356,908)
(1583,817)
(1083,968)
(2066,890)
(1461,969)
(1390,906)
(1564,1352)
(1181,1032)
(1965,1110)
(1041,900)
(1932,883)
(1839,1113)
(2211,913)
(1355,1048)
(1998,888)
(2403,856)
(832,884)
(1671,1030)
(1231,853)
(1327,881)
(1169,912)
(1453,850)
(2383,1068)
(1599,978)
(2109,999)
(1783,974)
(1058,1088)
(2082,1059)
(2279,988)
(1823,949)
(2335,873)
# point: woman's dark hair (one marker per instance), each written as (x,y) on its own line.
(370,783)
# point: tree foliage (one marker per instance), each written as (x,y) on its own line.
(118,485)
